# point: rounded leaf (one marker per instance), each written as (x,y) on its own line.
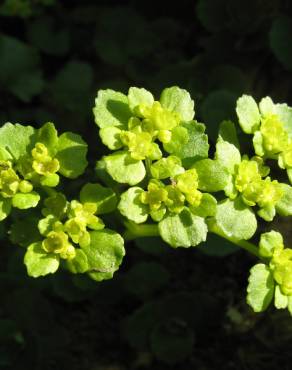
(235,219)
(104,198)
(178,100)
(124,169)
(183,230)
(111,109)
(131,206)
(38,262)
(260,290)
(104,253)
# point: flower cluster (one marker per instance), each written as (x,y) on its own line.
(271,125)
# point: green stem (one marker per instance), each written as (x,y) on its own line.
(148,163)
(249,247)
(135,231)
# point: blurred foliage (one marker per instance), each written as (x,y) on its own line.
(175,309)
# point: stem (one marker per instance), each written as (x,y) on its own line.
(148,163)
(135,231)
(249,247)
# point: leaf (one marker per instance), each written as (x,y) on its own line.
(179,138)
(104,253)
(18,140)
(24,231)
(137,96)
(5,207)
(72,150)
(110,136)
(284,112)
(131,206)
(235,219)
(48,136)
(178,100)
(207,207)
(78,264)
(19,68)
(38,262)
(281,300)
(111,109)
(248,114)
(183,230)
(227,155)
(227,132)
(219,179)
(269,242)
(260,290)
(284,205)
(43,34)
(195,147)
(25,201)
(104,198)
(124,169)
(280,36)
(72,93)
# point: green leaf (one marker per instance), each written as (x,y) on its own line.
(19,68)
(5,207)
(25,201)
(183,230)
(260,290)
(48,136)
(38,262)
(284,112)
(110,136)
(166,167)
(227,155)
(284,205)
(72,151)
(235,219)
(78,264)
(131,206)
(269,242)
(258,143)
(104,253)
(18,140)
(104,198)
(280,36)
(111,109)
(124,169)
(227,132)
(207,207)
(24,231)
(195,147)
(44,35)
(179,138)
(219,178)
(139,96)
(248,114)
(281,300)
(178,100)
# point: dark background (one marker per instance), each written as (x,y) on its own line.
(165,309)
